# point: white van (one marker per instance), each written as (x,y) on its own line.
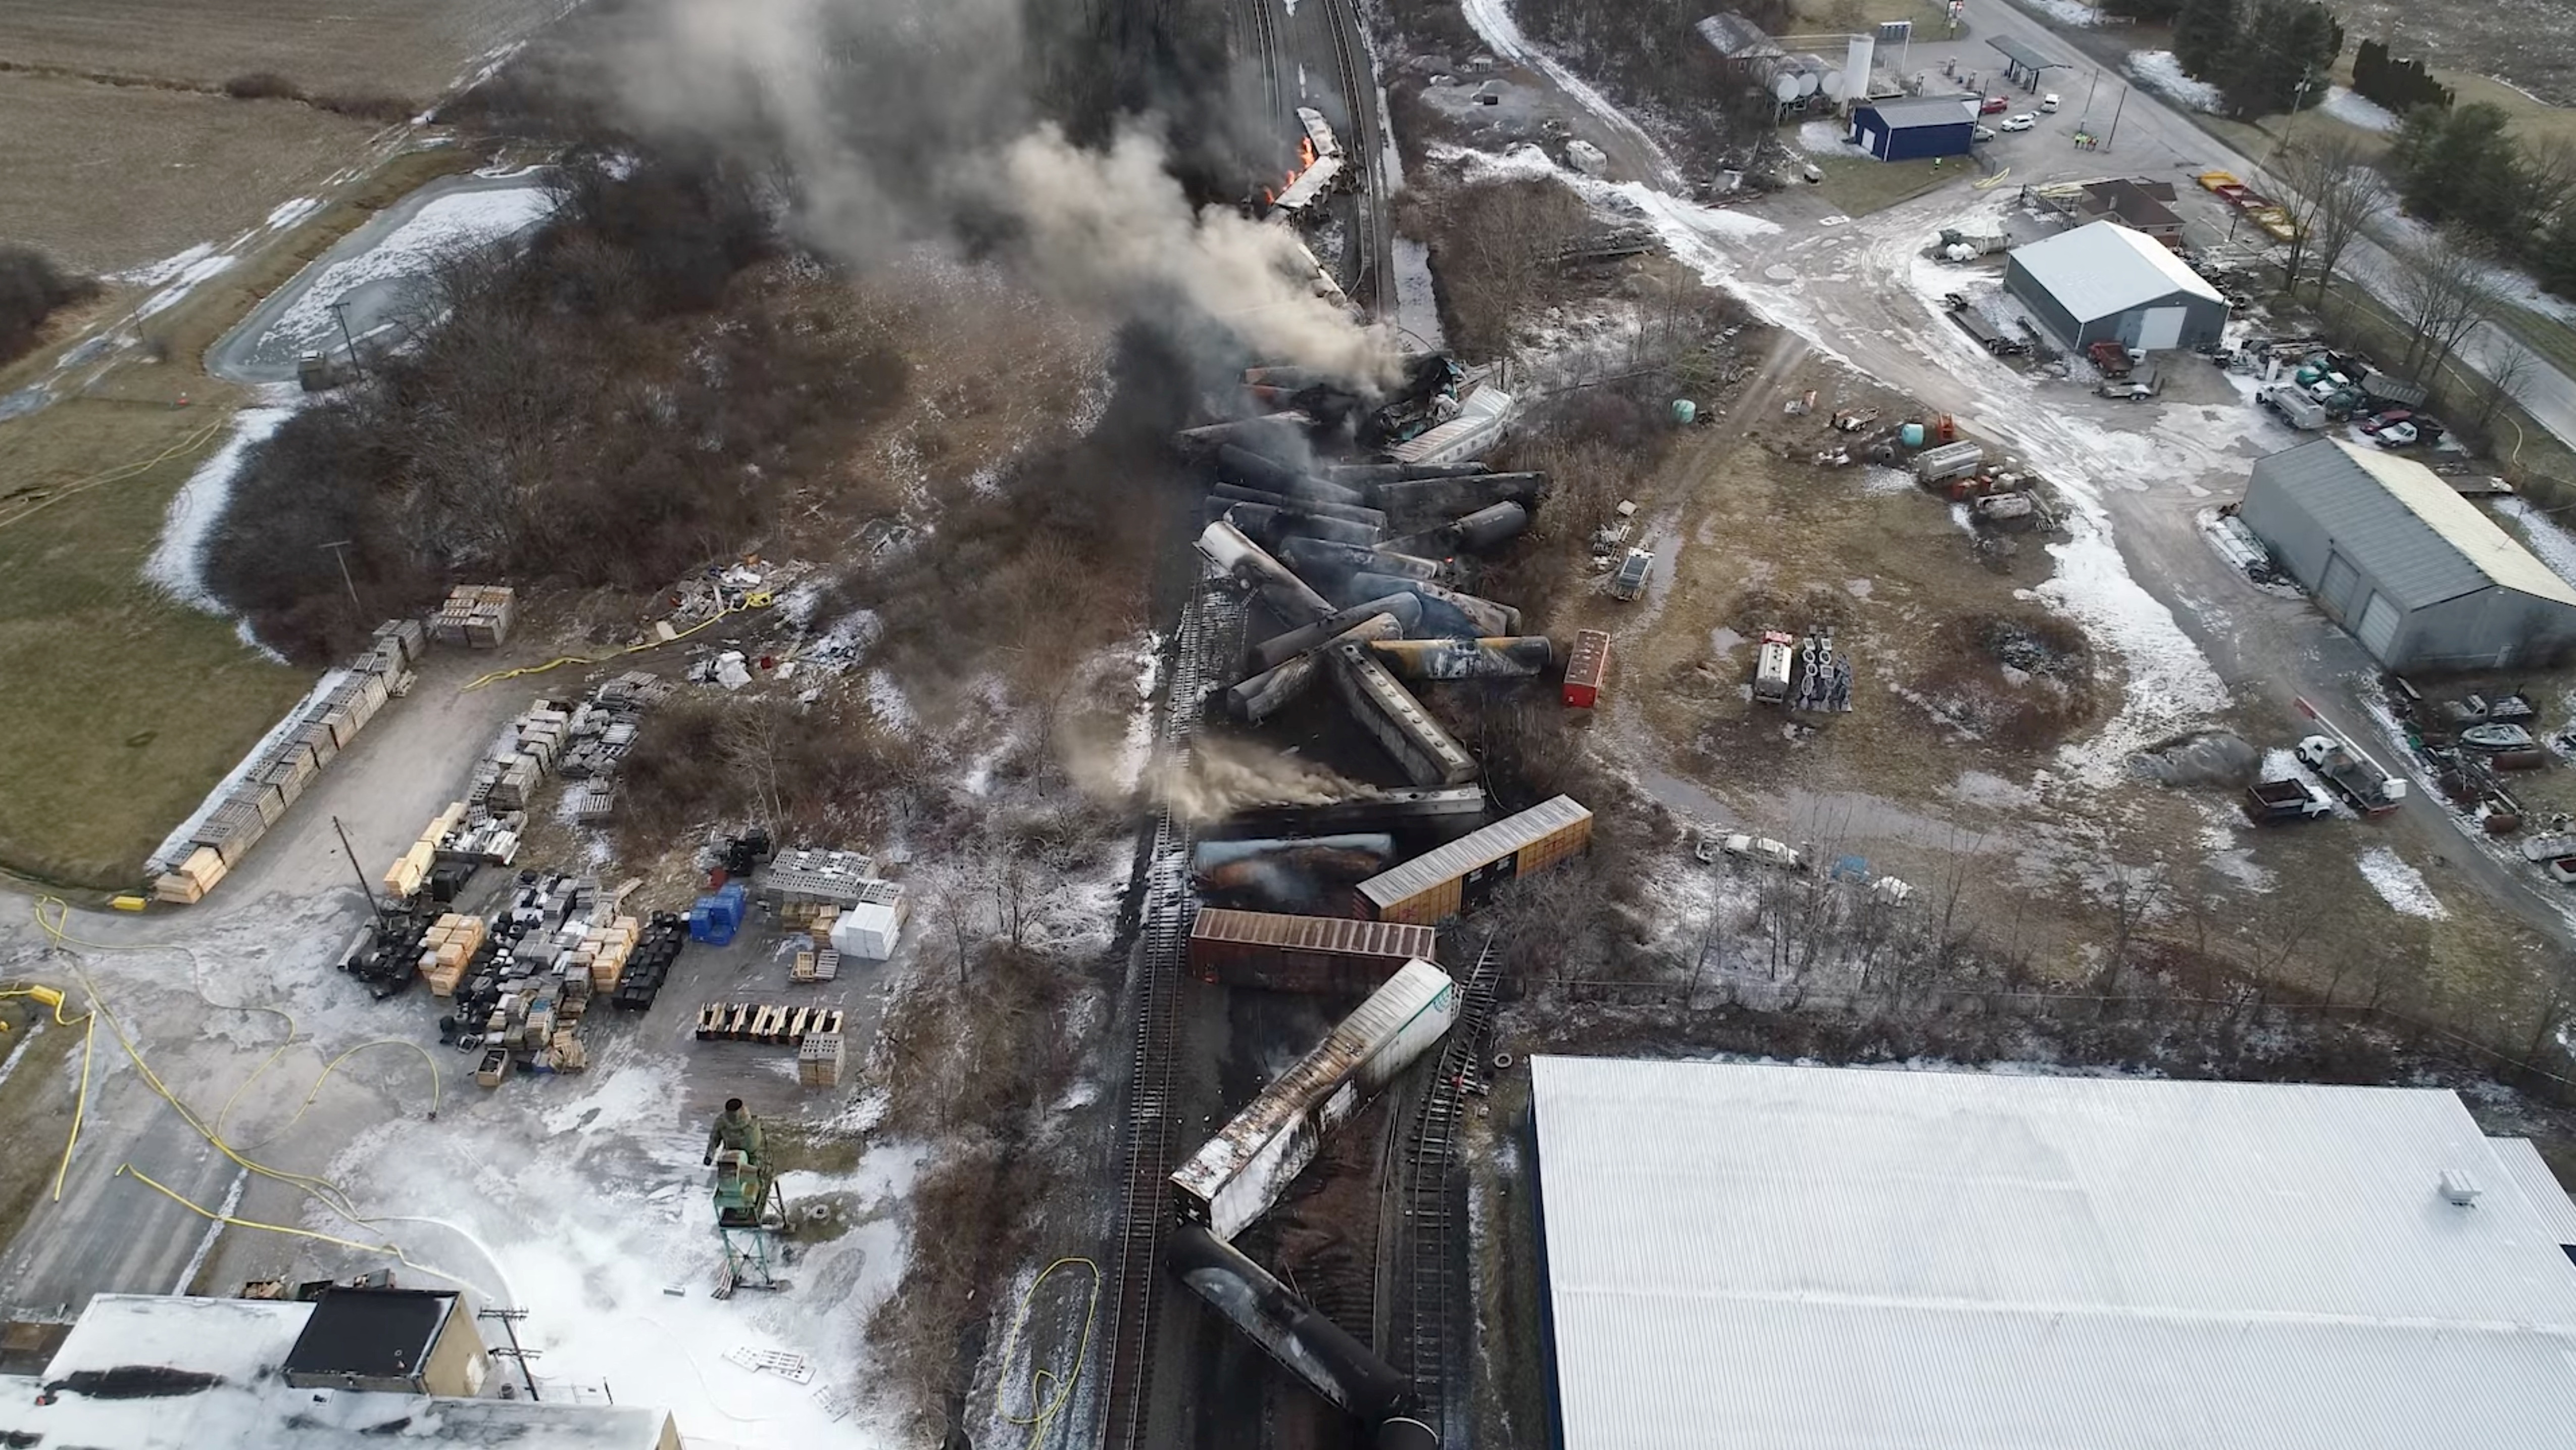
(2049,102)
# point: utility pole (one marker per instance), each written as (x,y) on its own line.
(340,550)
(365,890)
(509,1319)
(2116,109)
(340,310)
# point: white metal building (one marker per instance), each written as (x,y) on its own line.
(2421,576)
(1797,1258)
(2104,282)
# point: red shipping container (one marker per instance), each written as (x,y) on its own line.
(1587,668)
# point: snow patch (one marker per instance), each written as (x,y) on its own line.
(153,274)
(2158,71)
(461,219)
(1493,23)
(186,281)
(2555,546)
(1824,138)
(178,560)
(2065,12)
(2355,109)
(887,701)
(2400,885)
(288,213)
(2170,682)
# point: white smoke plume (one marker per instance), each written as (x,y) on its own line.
(1223,777)
(901,122)
(1113,228)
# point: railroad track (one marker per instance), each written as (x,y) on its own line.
(1205,649)
(1371,228)
(1265,39)
(1435,1289)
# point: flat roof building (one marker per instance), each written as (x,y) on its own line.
(1801,1258)
(1912,128)
(2389,550)
(2104,282)
(154,1372)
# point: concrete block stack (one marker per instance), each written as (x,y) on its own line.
(819,1060)
(400,643)
(477,616)
(804,880)
(232,828)
(410,869)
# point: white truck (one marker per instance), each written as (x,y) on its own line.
(2294,407)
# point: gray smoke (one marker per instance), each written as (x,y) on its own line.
(900,123)
(1224,776)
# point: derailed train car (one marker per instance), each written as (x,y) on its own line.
(1318,1351)
(1237,1175)
(1302,953)
(1457,878)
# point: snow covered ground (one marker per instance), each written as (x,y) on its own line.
(2158,71)
(2065,12)
(462,219)
(2400,885)
(1825,138)
(177,562)
(2553,543)
(2355,109)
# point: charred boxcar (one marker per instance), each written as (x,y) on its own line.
(1457,878)
(1302,953)
(1237,1175)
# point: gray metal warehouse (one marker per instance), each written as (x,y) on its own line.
(2105,282)
(2418,574)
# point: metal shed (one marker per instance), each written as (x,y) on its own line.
(1917,127)
(2418,574)
(2104,282)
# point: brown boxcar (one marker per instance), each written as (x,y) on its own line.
(1457,878)
(1587,669)
(1302,953)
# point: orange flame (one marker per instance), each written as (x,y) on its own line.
(1305,152)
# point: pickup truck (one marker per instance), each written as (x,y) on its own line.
(2110,358)
(2273,801)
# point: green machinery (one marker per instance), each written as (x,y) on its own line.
(751,1219)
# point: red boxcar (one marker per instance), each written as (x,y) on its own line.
(1586,668)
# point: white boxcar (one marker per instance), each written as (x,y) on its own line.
(1238,1174)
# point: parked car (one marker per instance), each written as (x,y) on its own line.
(1993,106)
(2049,103)
(1765,850)
(2022,122)
(2562,869)
(2396,435)
(2382,420)
(1982,133)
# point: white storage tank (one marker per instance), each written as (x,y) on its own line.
(1857,59)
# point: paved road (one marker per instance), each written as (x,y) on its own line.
(2153,138)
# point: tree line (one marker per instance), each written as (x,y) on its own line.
(2462,169)
(2266,57)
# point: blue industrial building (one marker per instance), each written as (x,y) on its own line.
(1916,127)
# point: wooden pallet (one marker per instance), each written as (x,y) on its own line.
(770,1024)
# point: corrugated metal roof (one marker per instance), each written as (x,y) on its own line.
(1417,987)
(2104,269)
(2524,1165)
(1472,850)
(1786,1258)
(1925,111)
(2404,526)
(1348,936)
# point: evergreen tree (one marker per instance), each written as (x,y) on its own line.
(2463,168)
(2286,49)
(2203,36)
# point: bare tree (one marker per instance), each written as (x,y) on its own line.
(2508,366)
(954,907)
(2136,894)
(2443,290)
(2326,185)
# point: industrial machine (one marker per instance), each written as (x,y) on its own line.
(751,1223)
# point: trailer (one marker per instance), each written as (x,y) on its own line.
(1990,337)
(1948,461)
(1771,667)
(2347,767)
(2294,407)
(1312,954)
(1237,1175)
(1463,875)
(1587,669)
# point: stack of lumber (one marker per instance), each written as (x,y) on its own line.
(819,1060)
(477,616)
(404,878)
(188,882)
(820,965)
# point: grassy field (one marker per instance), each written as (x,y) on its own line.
(123,708)
(1858,185)
(414,48)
